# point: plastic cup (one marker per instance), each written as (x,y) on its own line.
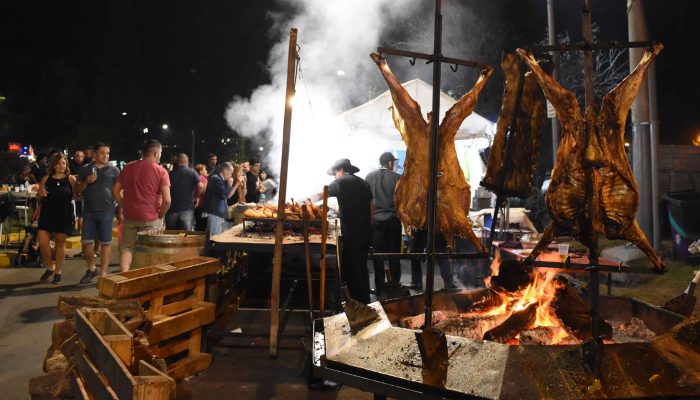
(563,251)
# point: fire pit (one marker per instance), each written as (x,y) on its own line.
(384,358)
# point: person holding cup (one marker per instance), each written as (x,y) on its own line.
(95,182)
(56,216)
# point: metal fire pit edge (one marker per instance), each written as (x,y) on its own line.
(384,359)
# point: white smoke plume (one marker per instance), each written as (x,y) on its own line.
(333,36)
(338,36)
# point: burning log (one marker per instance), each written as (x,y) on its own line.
(513,276)
(511,327)
(483,300)
(546,335)
(575,313)
(472,327)
(417,321)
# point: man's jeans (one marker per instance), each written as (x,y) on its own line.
(181,221)
(216,225)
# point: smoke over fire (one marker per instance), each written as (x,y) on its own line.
(335,39)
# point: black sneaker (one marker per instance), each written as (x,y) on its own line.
(46,275)
(56,278)
(87,278)
(415,286)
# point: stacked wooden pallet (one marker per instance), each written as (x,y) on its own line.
(106,366)
(172,297)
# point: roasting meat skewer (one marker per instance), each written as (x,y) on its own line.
(512,176)
(592,189)
(411,194)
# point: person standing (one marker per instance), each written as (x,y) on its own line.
(40,167)
(56,215)
(386,235)
(253,184)
(200,223)
(211,163)
(356,210)
(418,245)
(75,164)
(95,182)
(221,186)
(185,187)
(142,192)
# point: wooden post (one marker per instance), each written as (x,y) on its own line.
(282,193)
(307,259)
(324,234)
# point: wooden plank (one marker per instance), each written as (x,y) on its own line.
(123,346)
(189,366)
(154,384)
(170,349)
(157,278)
(180,306)
(106,360)
(79,390)
(169,327)
(105,322)
(95,383)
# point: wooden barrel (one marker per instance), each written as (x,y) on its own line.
(162,247)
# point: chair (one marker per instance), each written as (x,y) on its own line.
(7,209)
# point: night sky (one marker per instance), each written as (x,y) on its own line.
(69,69)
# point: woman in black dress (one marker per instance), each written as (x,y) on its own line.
(56,217)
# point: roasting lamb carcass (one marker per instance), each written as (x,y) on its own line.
(513,176)
(411,195)
(592,189)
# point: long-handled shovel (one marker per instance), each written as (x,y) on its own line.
(685,302)
(359,315)
(394,289)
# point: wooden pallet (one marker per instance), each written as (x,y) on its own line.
(172,296)
(102,352)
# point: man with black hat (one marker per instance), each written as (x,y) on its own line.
(386,236)
(356,210)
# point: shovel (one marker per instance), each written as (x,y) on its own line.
(685,303)
(394,289)
(359,315)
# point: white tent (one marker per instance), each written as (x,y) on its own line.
(374,116)
(372,122)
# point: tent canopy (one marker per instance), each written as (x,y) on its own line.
(375,116)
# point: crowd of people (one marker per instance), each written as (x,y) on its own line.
(84,194)
(88,193)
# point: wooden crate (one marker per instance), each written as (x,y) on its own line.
(103,355)
(172,296)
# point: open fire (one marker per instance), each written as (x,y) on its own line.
(527,306)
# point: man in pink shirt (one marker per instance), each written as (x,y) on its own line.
(142,191)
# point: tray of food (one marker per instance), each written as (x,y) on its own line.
(262,218)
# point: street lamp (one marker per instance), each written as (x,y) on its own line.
(145,130)
(124,114)
(165,126)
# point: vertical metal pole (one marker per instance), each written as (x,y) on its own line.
(593,269)
(282,193)
(552,42)
(432,193)
(588,72)
(192,158)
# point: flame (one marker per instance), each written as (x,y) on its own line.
(540,291)
(495,266)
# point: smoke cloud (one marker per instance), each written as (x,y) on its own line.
(335,39)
